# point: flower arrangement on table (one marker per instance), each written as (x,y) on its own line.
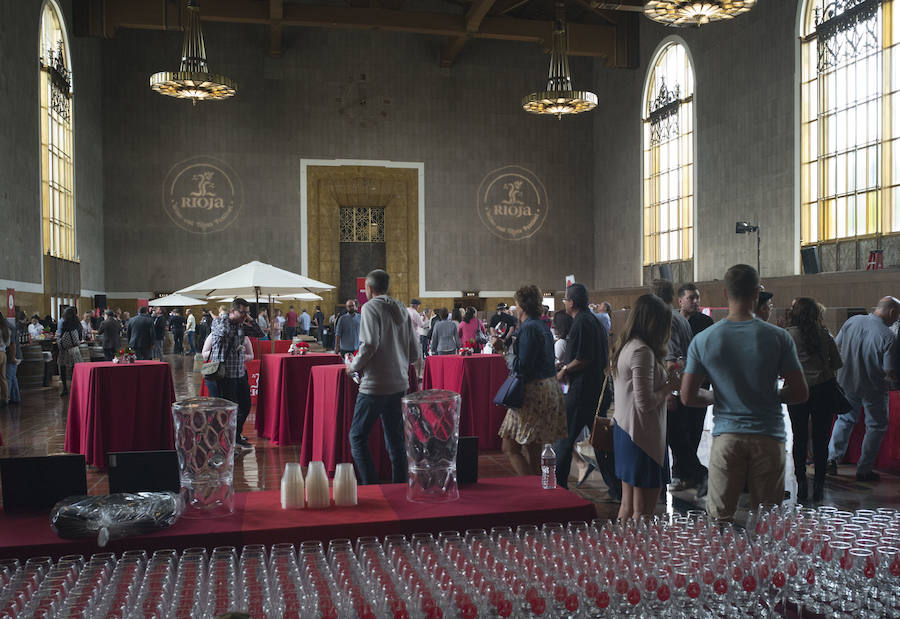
(468,349)
(125,355)
(298,348)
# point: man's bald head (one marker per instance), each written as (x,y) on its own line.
(888,309)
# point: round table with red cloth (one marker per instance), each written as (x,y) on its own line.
(889,455)
(119,407)
(476,378)
(329,413)
(252,368)
(281,403)
(264,347)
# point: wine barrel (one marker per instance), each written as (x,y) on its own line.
(31,371)
(97,352)
(85,351)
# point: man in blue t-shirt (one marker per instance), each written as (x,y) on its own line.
(743,357)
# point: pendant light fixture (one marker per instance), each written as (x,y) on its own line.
(193,80)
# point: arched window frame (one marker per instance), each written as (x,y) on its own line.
(663,241)
(56,135)
(849,120)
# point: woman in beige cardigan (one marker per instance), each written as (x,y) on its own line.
(641,386)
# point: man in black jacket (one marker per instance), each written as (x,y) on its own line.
(141,329)
(110,335)
(160,322)
(177,324)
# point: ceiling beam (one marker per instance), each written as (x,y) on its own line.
(584,39)
(476,13)
(276,29)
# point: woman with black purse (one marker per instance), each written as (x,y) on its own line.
(542,417)
(69,338)
(820,360)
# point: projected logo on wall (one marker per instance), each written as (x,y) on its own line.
(202,195)
(512,203)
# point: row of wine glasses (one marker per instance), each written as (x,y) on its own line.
(789,561)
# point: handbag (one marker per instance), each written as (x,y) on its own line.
(829,397)
(214,370)
(602,430)
(68,340)
(511,393)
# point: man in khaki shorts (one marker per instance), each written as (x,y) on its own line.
(743,357)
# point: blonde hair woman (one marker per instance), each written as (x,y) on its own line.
(641,386)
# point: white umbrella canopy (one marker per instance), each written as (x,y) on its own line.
(256,279)
(305,296)
(175,300)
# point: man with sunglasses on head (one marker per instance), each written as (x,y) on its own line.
(228,347)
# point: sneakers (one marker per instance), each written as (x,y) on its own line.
(831,467)
(868,476)
(242,445)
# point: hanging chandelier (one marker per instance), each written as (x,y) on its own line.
(559,98)
(193,81)
(695,12)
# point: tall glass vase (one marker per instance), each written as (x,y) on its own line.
(431,422)
(205,431)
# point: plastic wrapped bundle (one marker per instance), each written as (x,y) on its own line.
(113,516)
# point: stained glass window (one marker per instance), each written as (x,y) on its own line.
(849,120)
(57,174)
(668,151)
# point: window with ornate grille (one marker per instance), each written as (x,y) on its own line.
(849,120)
(668,151)
(57,172)
(362,224)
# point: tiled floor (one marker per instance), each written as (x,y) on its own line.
(37,427)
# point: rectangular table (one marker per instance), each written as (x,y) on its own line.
(264,347)
(476,378)
(281,403)
(119,407)
(329,412)
(889,455)
(382,510)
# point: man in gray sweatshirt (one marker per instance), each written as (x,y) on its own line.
(388,344)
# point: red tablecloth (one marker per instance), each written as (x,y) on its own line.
(477,379)
(116,407)
(252,376)
(889,456)
(281,404)
(329,413)
(264,347)
(259,519)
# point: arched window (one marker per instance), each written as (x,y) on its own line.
(668,150)
(850,120)
(57,175)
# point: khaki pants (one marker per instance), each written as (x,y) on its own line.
(736,459)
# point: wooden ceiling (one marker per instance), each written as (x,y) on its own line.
(596,28)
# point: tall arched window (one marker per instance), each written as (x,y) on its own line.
(850,120)
(57,175)
(668,150)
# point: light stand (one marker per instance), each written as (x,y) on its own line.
(745,227)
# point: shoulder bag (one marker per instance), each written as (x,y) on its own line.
(602,430)
(511,393)
(215,370)
(829,398)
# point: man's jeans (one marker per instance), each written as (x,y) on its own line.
(579,414)
(190,339)
(157,349)
(876,408)
(368,409)
(238,391)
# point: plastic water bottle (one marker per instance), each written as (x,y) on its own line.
(548,467)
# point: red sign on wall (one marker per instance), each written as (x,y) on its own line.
(361,292)
(10,303)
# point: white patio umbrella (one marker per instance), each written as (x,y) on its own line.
(175,300)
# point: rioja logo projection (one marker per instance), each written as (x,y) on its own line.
(512,203)
(202,195)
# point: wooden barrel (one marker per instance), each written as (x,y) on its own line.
(97,352)
(31,371)
(85,351)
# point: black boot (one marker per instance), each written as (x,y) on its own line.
(802,490)
(818,489)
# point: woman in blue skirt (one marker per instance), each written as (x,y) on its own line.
(641,385)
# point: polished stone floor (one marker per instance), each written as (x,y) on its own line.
(36,427)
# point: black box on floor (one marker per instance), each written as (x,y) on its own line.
(39,482)
(143,471)
(467,460)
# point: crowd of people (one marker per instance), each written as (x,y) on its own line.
(663,369)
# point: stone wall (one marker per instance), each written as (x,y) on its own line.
(462,123)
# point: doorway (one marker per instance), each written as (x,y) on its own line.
(362,246)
